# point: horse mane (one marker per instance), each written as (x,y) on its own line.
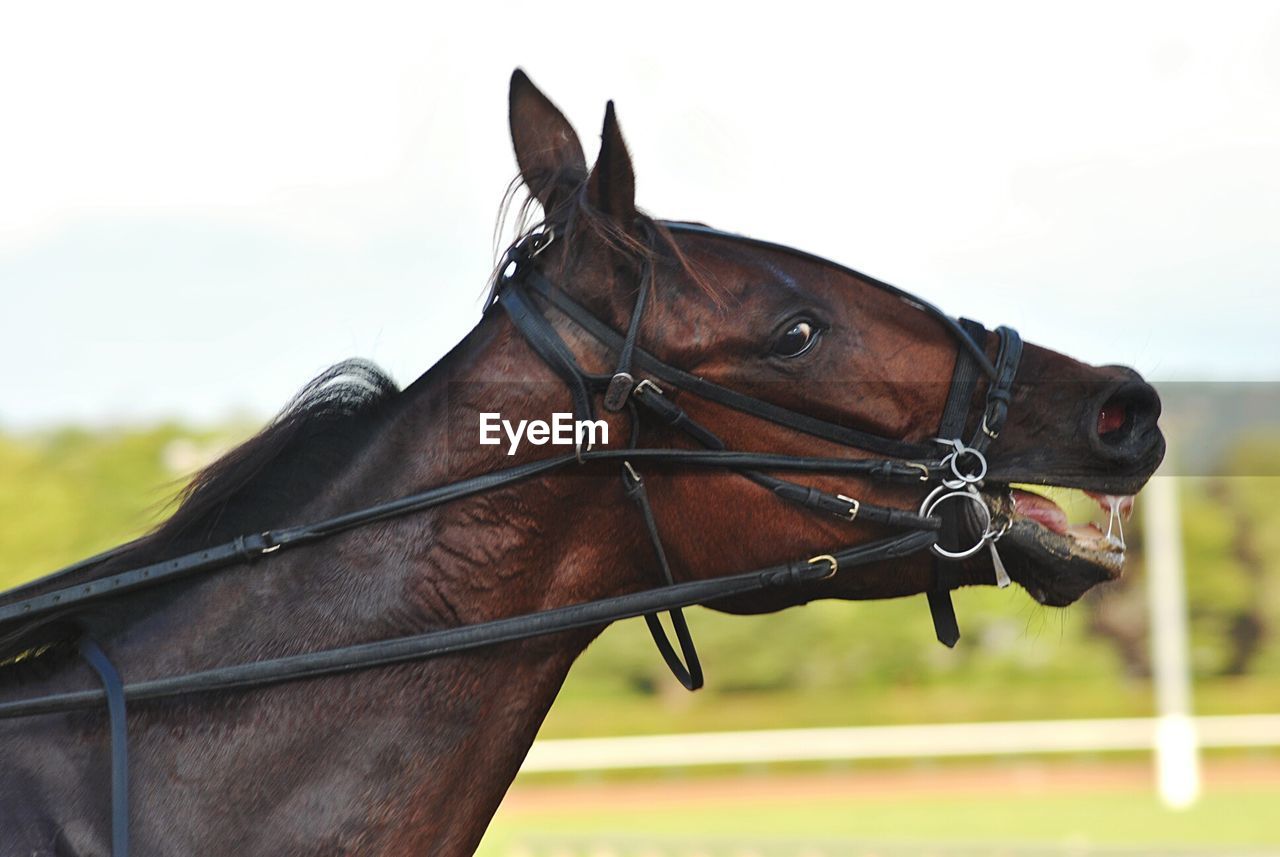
(287,463)
(256,485)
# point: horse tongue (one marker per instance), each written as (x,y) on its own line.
(1123,503)
(1042,510)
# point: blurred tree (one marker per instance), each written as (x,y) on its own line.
(71,493)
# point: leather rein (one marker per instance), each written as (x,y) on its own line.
(952,469)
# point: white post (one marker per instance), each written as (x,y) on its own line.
(1176,744)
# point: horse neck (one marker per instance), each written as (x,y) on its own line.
(461,725)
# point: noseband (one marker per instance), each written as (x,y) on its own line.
(948,473)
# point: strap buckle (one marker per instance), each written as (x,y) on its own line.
(273,545)
(854,506)
(986,429)
(829,559)
(645,386)
(923,468)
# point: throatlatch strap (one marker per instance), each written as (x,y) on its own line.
(688,673)
(548,345)
(964,379)
(114,689)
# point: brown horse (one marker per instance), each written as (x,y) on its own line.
(414,758)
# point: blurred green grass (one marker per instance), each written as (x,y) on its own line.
(1236,816)
(580,714)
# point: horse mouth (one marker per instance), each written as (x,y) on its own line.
(1054,560)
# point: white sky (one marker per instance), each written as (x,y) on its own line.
(201,208)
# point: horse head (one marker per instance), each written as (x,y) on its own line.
(821,340)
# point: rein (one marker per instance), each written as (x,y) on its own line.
(525,294)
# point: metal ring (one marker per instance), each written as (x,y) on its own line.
(954,460)
(940,495)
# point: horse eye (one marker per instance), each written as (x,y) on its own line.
(798,339)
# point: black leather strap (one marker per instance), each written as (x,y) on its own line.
(240,549)
(544,340)
(673,416)
(623,382)
(483,634)
(113,690)
(964,381)
(688,672)
(1000,391)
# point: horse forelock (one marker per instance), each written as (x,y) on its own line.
(646,243)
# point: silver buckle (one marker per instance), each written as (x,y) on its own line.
(854,506)
(644,385)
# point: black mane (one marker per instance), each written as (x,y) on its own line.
(255,486)
(287,463)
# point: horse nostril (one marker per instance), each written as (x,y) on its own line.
(1130,412)
(1112,417)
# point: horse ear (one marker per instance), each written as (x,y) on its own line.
(612,186)
(547,148)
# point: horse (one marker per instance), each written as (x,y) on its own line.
(715,363)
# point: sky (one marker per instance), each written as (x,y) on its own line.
(201,207)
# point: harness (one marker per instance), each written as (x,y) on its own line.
(952,469)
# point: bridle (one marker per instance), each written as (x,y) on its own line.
(526,294)
(643,385)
